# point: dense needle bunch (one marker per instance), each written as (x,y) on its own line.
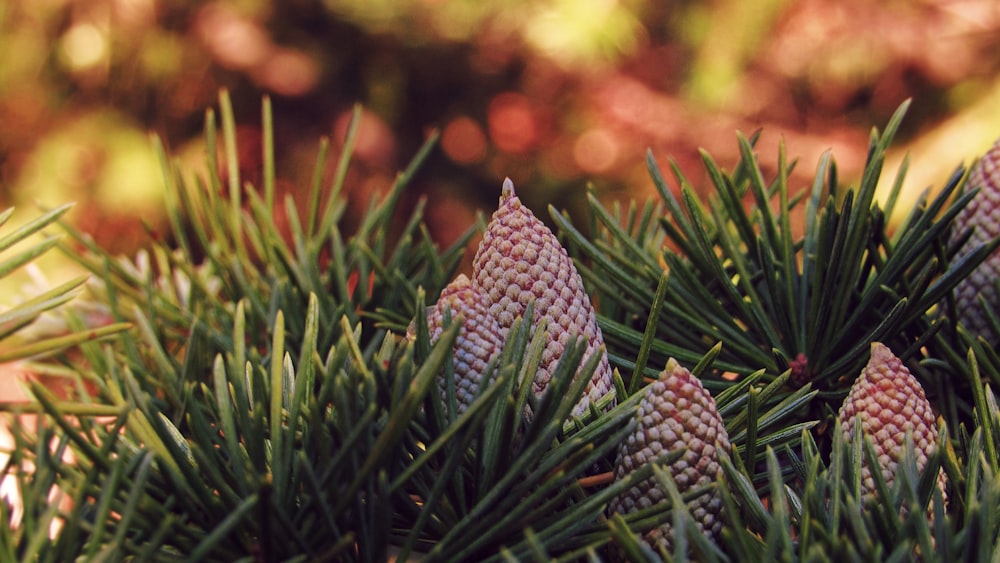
(255,403)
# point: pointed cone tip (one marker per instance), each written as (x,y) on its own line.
(460,284)
(675,368)
(880,352)
(507,190)
(881,358)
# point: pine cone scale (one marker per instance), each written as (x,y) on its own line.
(479,339)
(519,261)
(676,413)
(890,403)
(982,215)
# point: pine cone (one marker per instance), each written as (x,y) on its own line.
(982,213)
(677,412)
(519,260)
(478,340)
(890,402)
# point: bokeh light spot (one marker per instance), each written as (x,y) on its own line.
(463,140)
(374,144)
(584,34)
(289,72)
(84,46)
(135,13)
(512,122)
(234,40)
(596,150)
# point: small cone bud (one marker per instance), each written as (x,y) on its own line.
(890,402)
(478,341)
(520,259)
(677,413)
(983,215)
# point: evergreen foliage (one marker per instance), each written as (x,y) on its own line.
(259,401)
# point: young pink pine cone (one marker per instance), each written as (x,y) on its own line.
(890,402)
(478,341)
(519,260)
(982,213)
(677,413)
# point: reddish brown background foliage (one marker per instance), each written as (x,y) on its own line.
(553,94)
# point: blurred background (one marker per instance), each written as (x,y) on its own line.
(555,94)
